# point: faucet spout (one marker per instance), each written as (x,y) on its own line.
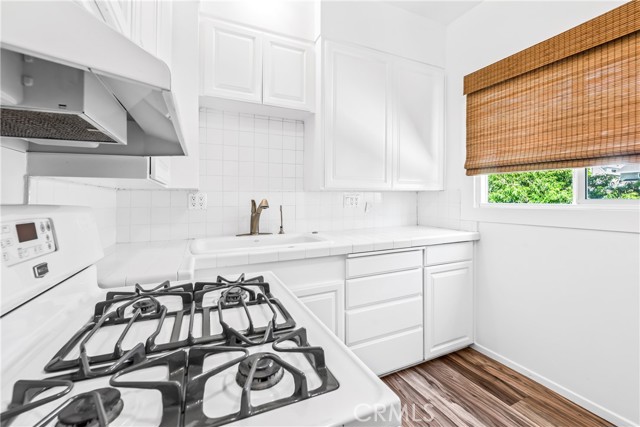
(255,215)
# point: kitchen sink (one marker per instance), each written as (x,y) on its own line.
(240,243)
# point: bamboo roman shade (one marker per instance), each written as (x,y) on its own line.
(570,101)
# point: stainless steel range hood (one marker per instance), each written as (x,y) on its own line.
(72,84)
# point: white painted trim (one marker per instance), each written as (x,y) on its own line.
(563,391)
(588,216)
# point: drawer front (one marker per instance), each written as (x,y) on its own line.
(383,319)
(386,263)
(383,287)
(382,355)
(450,252)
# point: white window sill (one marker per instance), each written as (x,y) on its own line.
(605,216)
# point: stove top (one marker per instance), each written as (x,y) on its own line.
(196,354)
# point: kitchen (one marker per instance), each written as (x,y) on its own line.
(432,267)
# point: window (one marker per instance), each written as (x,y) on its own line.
(602,184)
(613,182)
(553,186)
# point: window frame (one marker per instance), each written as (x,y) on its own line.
(597,214)
(579,188)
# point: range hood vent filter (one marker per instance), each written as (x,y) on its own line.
(53,126)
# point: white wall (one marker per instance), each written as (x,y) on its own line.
(244,157)
(384,27)
(286,17)
(56,192)
(563,305)
(559,304)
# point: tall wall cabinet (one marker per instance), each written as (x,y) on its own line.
(381,123)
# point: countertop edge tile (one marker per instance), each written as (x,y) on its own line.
(118,266)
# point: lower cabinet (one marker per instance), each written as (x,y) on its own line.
(448,308)
(326,301)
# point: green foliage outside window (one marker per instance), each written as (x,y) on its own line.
(553,186)
(608,186)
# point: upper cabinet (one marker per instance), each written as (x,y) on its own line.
(242,64)
(288,73)
(357,118)
(418,129)
(231,62)
(381,123)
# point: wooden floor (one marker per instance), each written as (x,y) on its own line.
(467,388)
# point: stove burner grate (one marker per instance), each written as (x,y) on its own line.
(84,410)
(267,373)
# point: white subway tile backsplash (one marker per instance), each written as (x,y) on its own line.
(160,199)
(248,157)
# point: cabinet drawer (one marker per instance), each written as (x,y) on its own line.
(382,355)
(450,252)
(383,287)
(383,319)
(386,263)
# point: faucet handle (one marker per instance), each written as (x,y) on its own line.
(253,206)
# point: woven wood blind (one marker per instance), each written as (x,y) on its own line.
(570,101)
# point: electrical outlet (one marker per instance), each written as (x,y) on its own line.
(352,200)
(198,200)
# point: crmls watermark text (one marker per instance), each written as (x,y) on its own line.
(365,412)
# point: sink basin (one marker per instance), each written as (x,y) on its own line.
(241,243)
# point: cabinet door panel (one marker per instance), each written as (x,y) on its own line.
(145,25)
(231,62)
(448,308)
(326,302)
(418,126)
(288,73)
(357,119)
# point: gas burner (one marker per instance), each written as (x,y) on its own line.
(235,294)
(83,410)
(144,305)
(268,373)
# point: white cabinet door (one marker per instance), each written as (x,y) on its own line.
(418,126)
(326,301)
(118,14)
(448,308)
(288,73)
(144,28)
(357,134)
(230,61)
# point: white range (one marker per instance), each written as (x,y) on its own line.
(226,351)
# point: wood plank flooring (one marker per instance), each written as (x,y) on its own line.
(467,388)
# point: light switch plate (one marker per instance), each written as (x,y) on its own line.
(352,200)
(197,201)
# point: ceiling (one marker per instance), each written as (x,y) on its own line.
(443,12)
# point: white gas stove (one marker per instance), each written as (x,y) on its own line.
(227,351)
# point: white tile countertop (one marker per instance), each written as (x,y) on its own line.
(153,262)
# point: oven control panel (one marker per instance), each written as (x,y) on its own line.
(27,239)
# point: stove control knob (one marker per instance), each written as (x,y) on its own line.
(40,270)
(5,256)
(42,227)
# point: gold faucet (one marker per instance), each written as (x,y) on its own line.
(255,217)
